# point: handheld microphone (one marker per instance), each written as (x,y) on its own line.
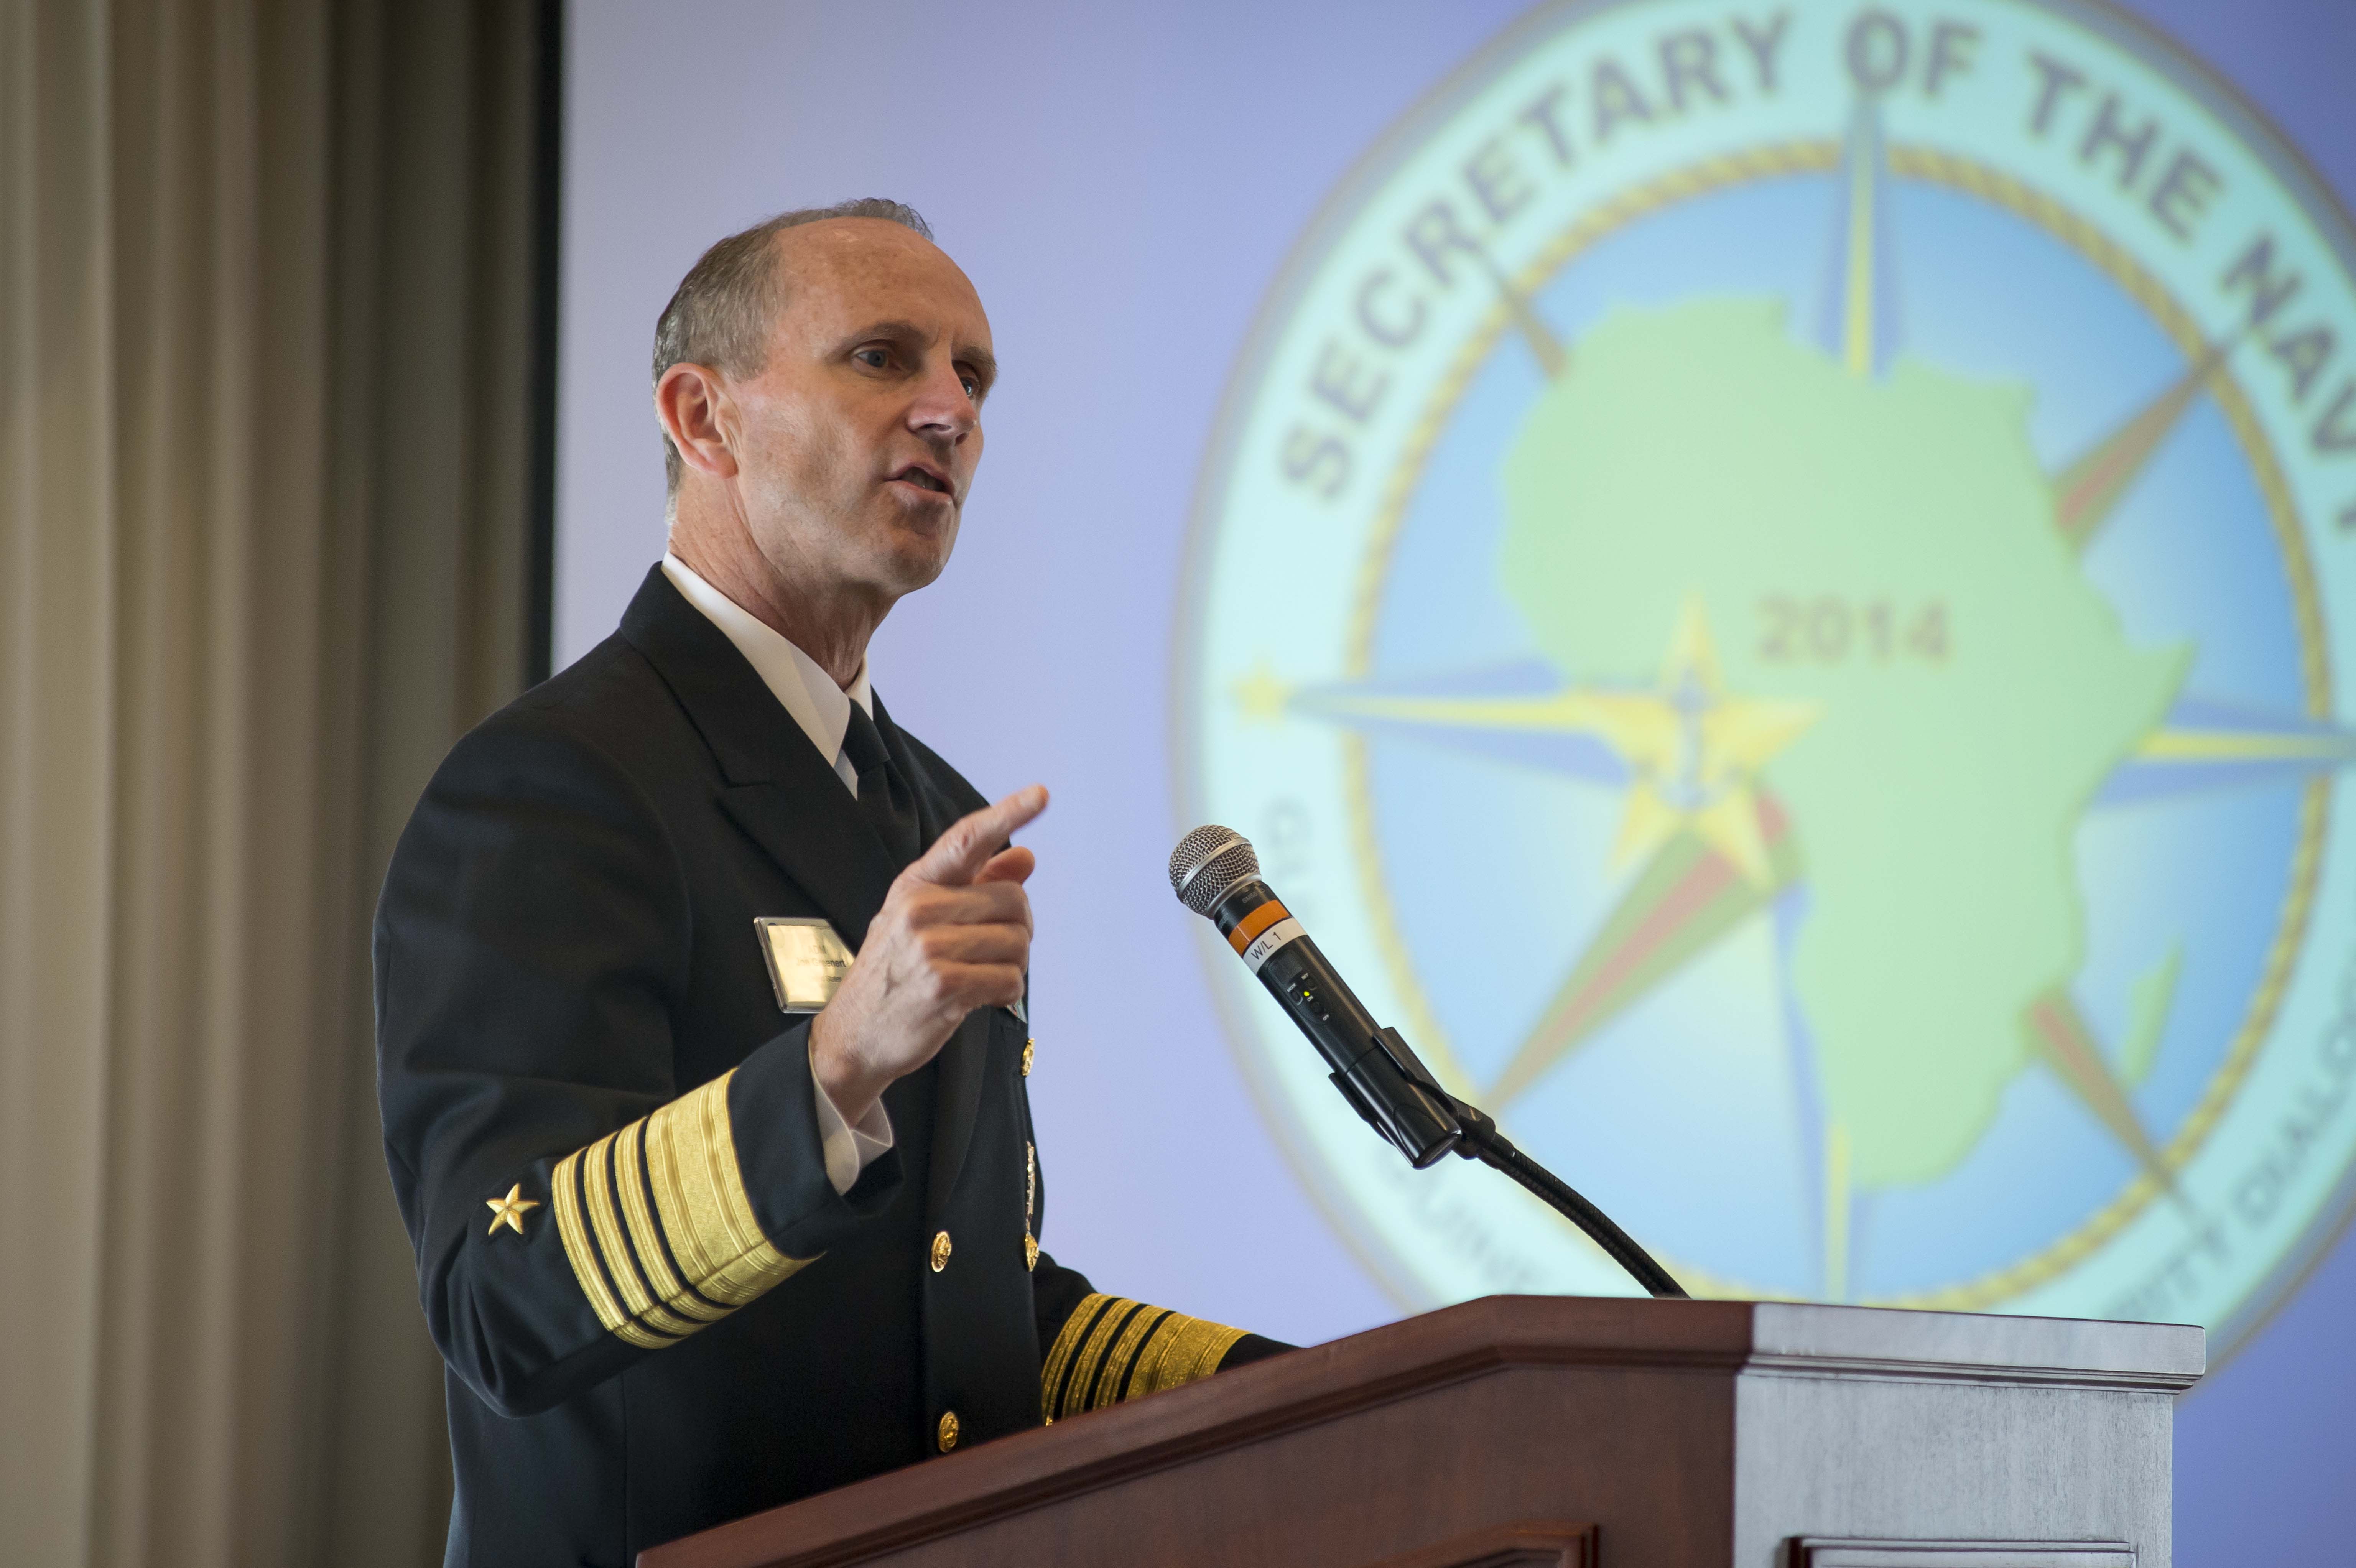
(1215,872)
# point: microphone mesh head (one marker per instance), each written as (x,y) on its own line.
(1206,863)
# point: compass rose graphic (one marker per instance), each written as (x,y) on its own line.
(1900,858)
(1714,846)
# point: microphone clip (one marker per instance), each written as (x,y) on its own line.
(1395,1094)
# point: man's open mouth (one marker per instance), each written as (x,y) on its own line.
(924,478)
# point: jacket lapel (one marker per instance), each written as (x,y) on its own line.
(845,875)
(778,789)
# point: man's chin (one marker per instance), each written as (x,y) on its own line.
(913,557)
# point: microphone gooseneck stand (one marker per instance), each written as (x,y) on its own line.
(1482,1141)
(1391,1089)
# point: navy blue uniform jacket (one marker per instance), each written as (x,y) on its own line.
(655,1312)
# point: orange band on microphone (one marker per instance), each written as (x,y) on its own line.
(1255,922)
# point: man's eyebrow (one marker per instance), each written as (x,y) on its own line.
(874,329)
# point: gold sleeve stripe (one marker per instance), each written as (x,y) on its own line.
(1185,1349)
(1057,1371)
(1112,1348)
(1089,1361)
(621,1259)
(700,1198)
(647,1240)
(581,1252)
(1112,1377)
(657,1226)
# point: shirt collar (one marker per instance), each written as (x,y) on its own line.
(800,683)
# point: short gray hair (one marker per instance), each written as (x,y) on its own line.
(721,311)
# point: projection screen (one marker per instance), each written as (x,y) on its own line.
(1776,582)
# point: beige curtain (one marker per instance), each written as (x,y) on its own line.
(265,362)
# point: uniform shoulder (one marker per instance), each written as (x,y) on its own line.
(609,711)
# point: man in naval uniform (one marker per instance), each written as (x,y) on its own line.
(709,1214)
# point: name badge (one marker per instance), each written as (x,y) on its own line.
(806,960)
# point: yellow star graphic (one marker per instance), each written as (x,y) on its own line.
(1695,751)
(1260,694)
(509,1210)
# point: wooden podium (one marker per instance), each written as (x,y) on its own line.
(1567,1432)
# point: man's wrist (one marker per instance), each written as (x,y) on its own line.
(849,1147)
(852,1092)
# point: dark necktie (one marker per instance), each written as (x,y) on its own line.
(885,797)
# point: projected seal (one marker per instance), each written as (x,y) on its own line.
(1767,587)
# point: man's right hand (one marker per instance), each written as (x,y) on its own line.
(954,934)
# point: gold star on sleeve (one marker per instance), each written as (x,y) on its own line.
(509,1210)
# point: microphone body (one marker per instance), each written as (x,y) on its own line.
(1374,1067)
(1215,874)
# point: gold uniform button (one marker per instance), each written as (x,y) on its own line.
(1030,1252)
(941,1257)
(1030,1047)
(949,1432)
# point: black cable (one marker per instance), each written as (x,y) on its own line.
(1482,1142)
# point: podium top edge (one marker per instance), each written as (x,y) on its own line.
(2163,1351)
(1799,1337)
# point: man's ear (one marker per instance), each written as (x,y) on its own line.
(694,407)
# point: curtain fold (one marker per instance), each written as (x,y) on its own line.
(265,360)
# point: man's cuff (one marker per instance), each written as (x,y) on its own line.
(849,1150)
(1112,1348)
(774,1103)
(657,1226)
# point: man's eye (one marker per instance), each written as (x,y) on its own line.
(875,358)
(972,387)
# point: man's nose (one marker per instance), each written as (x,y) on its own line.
(942,410)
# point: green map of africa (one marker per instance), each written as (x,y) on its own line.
(1884,548)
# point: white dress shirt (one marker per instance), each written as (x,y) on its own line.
(823,710)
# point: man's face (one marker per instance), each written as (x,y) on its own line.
(859,438)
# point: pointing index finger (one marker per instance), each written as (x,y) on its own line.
(959,854)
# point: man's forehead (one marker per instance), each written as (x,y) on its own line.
(845,270)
